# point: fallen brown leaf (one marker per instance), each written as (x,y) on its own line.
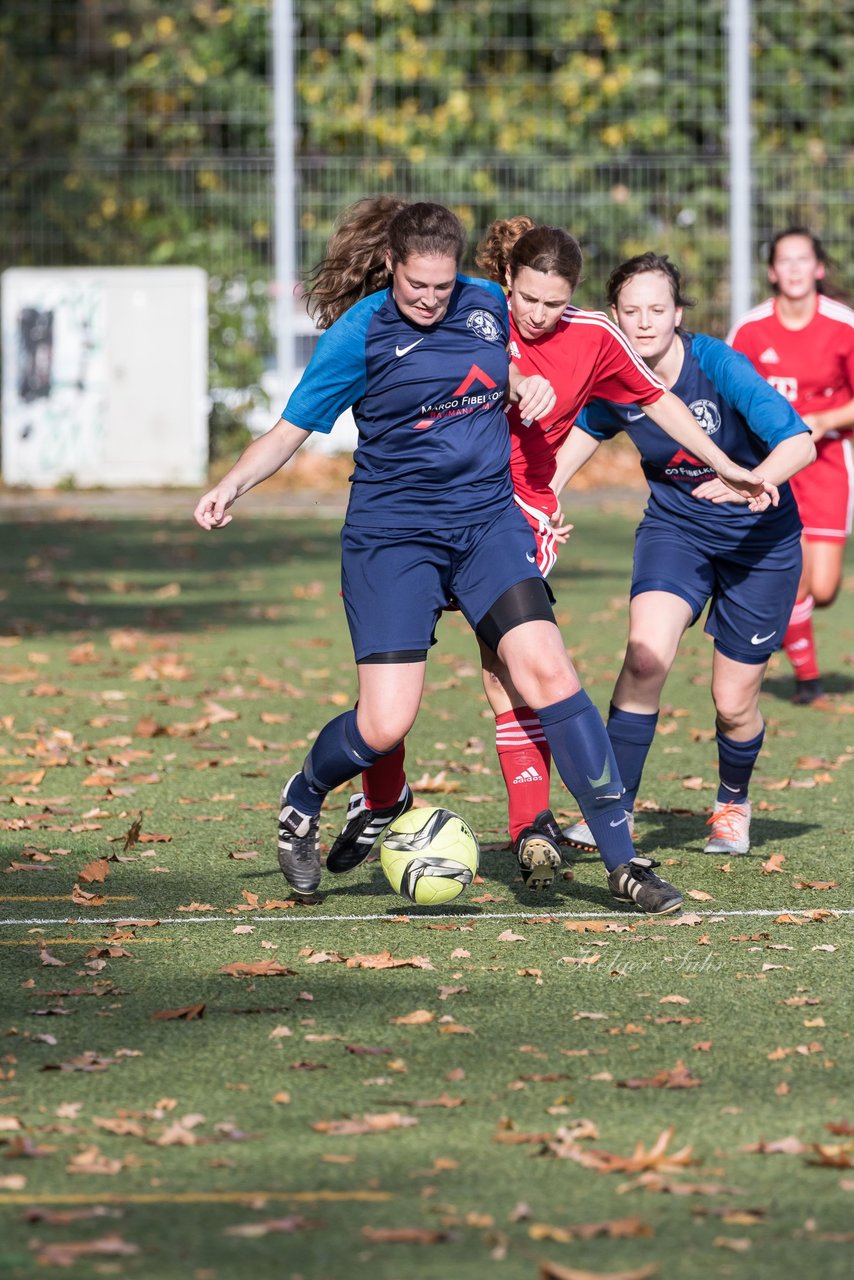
(188,1013)
(286,1226)
(256,969)
(122,1126)
(678,1078)
(92,1160)
(86,1061)
(418,1017)
(95,872)
(615,1228)
(403,1235)
(556,1271)
(657,1157)
(737,1244)
(67,1254)
(81,898)
(790,1146)
(380,1122)
(385,960)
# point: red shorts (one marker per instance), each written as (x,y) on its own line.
(824,491)
(546,543)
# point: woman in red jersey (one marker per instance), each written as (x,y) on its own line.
(582,355)
(802,342)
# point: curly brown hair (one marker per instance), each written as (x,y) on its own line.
(513,243)
(366,236)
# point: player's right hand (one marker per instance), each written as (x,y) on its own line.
(211,509)
(760,493)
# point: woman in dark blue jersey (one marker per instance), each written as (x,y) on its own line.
(696,544)
(419,352)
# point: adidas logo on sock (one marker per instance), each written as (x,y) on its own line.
(527,775)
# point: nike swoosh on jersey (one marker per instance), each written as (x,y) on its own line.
(528,556)
(401,351)
(755,639)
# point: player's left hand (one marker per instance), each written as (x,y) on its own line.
(716,491)
(760,493)
(534,395)
(560,530)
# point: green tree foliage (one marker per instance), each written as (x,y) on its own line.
(136,131)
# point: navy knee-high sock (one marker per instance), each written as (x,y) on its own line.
(584,758)
(735,766)
(631,735)
(339,752)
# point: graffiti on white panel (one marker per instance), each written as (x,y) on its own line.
(54,397)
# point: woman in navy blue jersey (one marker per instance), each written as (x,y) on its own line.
(419,352)
(696,543)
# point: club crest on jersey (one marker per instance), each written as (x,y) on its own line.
(484,325)
(707,414)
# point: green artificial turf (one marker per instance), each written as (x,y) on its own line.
(159,685)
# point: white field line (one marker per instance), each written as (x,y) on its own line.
(298,918)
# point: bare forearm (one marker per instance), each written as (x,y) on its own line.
(788,457)
(262,458)
(578,448)
(677,420)
(830,420)
(265,456)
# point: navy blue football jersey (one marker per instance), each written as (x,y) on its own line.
(743,415)
(429,401)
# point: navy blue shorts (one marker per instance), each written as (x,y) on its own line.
(396,582)
(750,589)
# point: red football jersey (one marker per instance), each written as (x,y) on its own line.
(812,367)
(585,356)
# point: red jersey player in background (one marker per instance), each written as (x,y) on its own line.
(582,355)
(802,342)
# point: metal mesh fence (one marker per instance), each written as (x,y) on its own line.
(140,135)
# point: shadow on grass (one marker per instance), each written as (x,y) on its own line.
(835,684)
(689,833)
(159,575)
(166,574)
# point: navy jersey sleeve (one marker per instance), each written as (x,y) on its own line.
(335,377)
(768,414)
(599,420)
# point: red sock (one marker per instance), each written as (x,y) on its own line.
(383,782)
(525,760)
(799,642)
